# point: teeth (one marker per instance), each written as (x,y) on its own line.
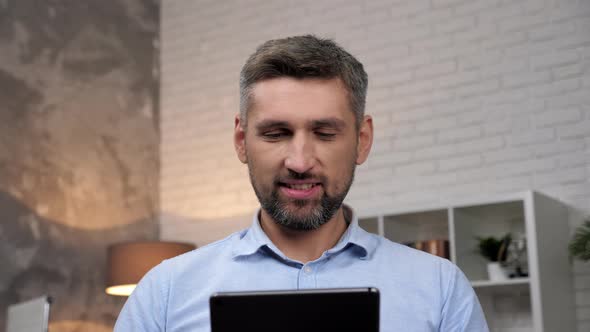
(301,186)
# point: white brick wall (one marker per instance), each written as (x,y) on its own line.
(466,95)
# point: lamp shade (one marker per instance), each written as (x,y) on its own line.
(129,262)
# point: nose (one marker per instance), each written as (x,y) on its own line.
(300,155)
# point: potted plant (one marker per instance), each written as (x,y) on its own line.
(579,247)
(496,251)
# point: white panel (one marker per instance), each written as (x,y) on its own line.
(29,316)
(554,270)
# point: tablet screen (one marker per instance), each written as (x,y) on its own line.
(341,309)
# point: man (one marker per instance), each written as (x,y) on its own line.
(301,131)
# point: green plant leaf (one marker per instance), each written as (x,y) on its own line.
(579,246)
(494,249)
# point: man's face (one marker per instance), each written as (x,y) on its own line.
(301,146)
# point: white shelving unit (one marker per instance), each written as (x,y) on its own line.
(541,302)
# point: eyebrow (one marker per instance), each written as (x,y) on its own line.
(335,123)
(268,124)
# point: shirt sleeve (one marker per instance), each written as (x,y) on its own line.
(461,310)
(145,309)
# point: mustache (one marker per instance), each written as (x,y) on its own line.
(292,175)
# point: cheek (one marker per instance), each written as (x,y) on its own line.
(262,161)
(265,155)
(340,153)
(339,163)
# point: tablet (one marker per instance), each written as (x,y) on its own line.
(314,310)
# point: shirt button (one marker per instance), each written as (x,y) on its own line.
(307,269)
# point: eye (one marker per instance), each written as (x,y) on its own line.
(274,135)
(325,135)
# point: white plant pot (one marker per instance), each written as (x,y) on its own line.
(496,272)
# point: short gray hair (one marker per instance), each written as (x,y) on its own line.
(304,57)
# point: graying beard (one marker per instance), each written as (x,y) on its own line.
(327,209)
(321,215)
(284,218)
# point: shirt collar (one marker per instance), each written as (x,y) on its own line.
(356,238)
(251,239)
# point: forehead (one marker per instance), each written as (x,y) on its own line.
(290,99)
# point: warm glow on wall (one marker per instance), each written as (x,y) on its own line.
(121,290)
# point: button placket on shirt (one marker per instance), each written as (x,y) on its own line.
(308,272)
(307,276)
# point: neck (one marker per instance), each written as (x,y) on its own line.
(304,246)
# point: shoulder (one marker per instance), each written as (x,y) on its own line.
(421,269)
(146,309)
(208,254)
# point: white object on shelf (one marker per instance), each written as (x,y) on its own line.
(496,272)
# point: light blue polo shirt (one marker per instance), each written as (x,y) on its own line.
(419,292)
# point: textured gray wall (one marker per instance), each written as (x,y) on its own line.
(78,149)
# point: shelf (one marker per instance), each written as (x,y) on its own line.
(417,226)
(482,221)
(542,302)
(490,283)
(511,289)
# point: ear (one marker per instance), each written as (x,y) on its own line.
(240,139)
(365,140)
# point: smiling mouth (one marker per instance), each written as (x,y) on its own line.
(300,191)
(304,186)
